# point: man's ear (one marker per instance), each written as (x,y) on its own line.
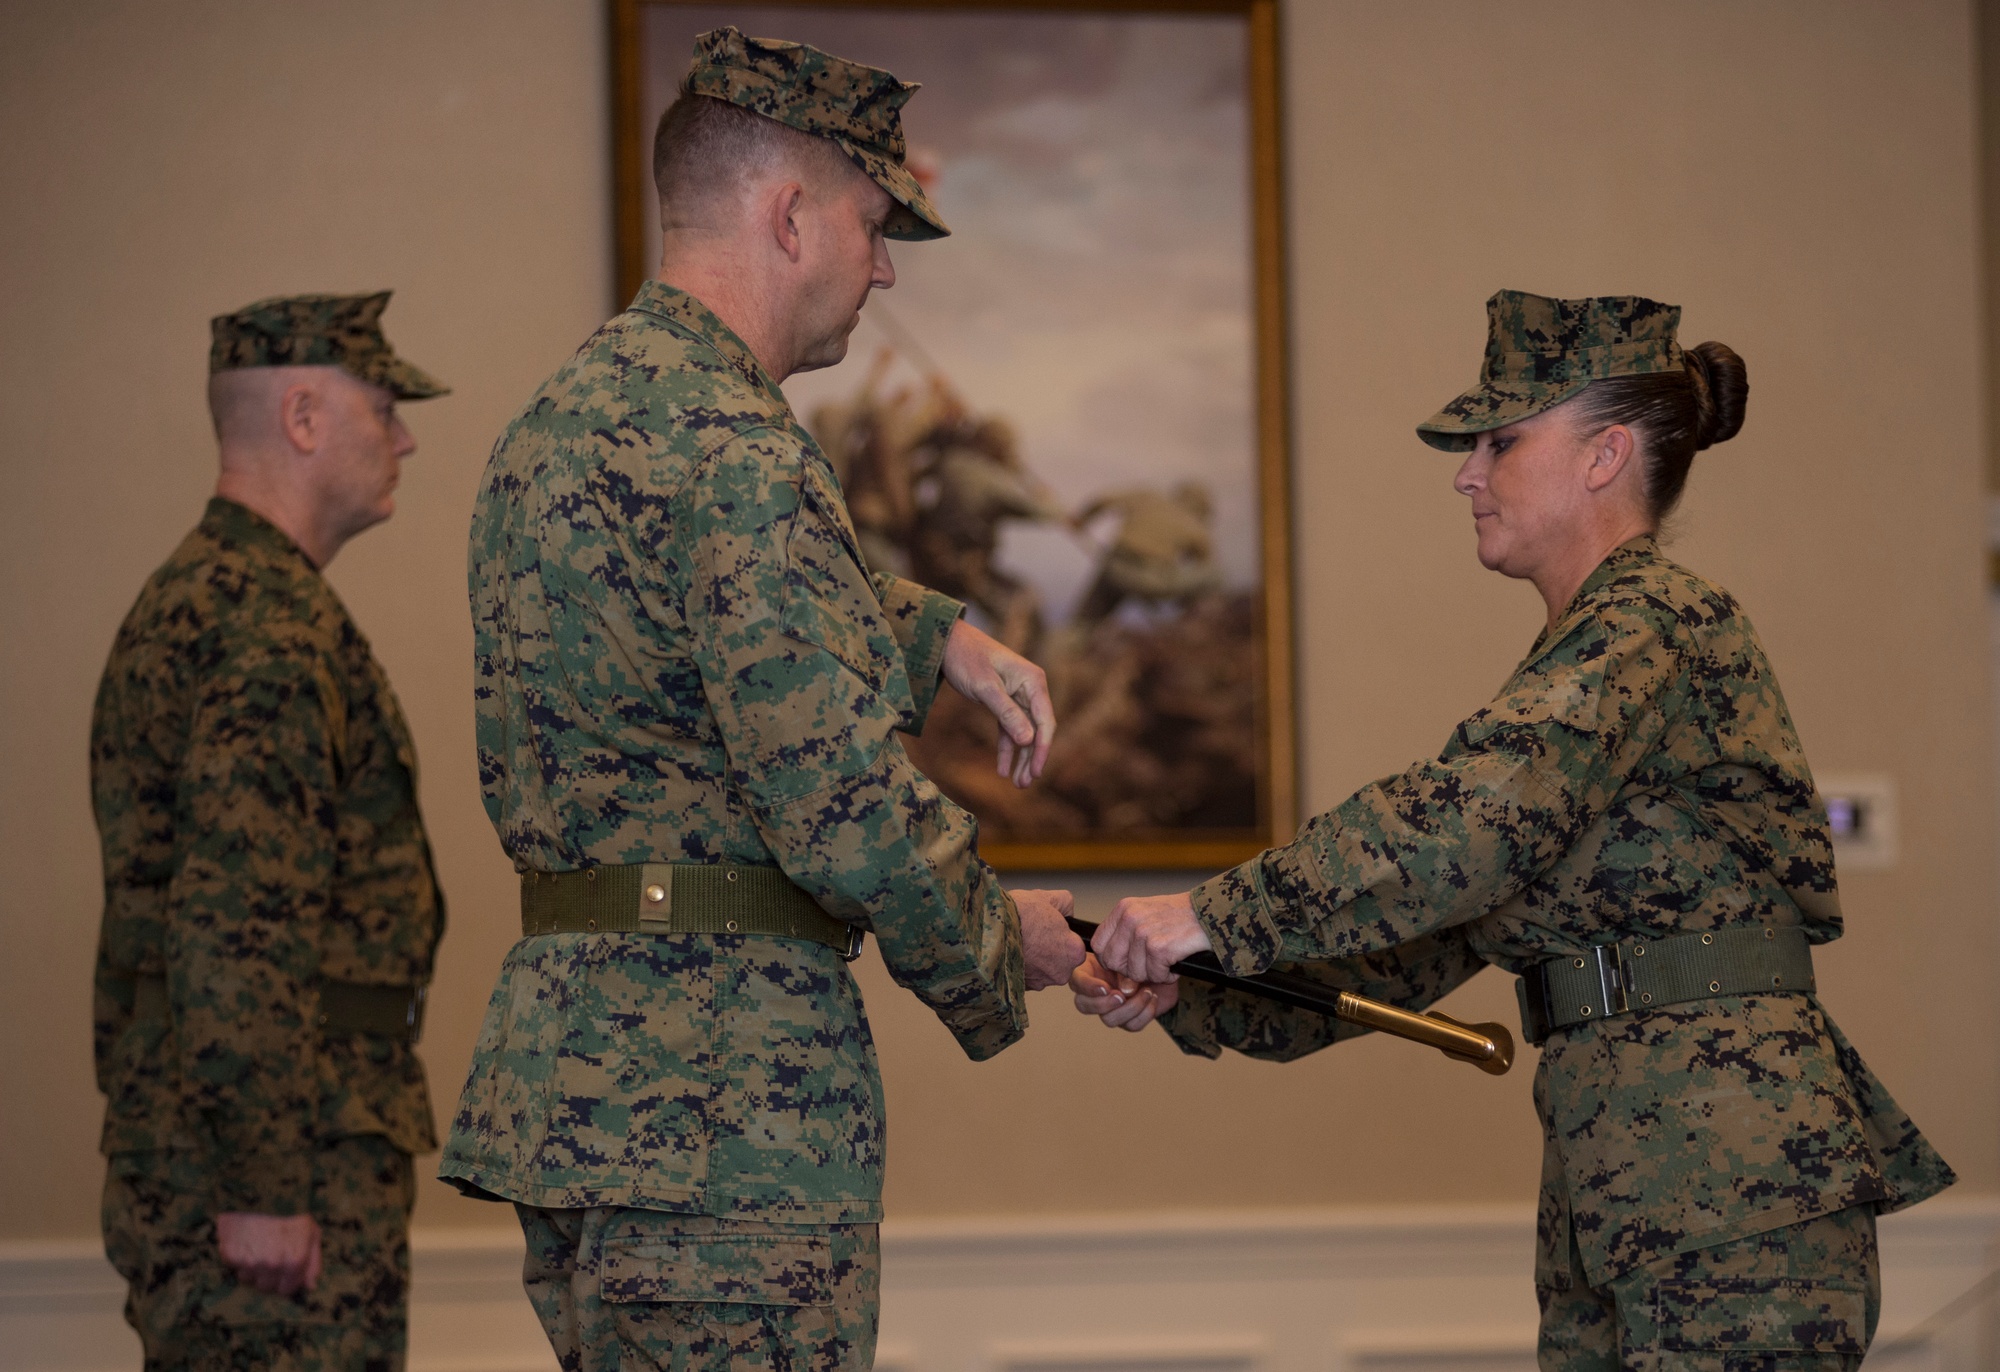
(786,201)
(1610,453)
(302,416)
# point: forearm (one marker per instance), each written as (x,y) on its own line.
(885,848)
(921,620)
(1429,850)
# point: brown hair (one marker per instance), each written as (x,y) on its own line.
(704,145)
(1676,414)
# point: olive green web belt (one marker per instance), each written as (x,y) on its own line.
(1625,978)
(679,898)
(345,1007)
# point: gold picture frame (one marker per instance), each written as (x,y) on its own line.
(1269,604)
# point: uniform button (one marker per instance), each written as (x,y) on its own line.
(656,893)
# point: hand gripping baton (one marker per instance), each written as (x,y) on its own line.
(1489,1047)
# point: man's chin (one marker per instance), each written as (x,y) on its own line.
(831,355)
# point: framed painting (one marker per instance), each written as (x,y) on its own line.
(1070,414)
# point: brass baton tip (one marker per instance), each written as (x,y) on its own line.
(1502,1056)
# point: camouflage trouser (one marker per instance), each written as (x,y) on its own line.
(619,1290)
(1803,1298)
(190,1311)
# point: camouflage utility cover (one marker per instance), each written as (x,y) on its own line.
(256,798)
(1637,777)
(680,657)
(858,107)
(1541,351)
(342,331)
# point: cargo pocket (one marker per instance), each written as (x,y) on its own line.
(718,1269)
(1763,1315)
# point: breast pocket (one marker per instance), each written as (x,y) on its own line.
(828,601)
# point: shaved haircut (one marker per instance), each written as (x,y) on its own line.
(243,403)
(705,150)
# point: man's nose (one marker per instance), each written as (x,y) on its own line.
(885,270)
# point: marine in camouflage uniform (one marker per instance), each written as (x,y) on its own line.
(1712,1167)
(680,657)
(270,916)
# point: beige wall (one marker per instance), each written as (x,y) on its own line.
(1801,176)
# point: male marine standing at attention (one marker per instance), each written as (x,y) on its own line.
(270,912)
(688,690)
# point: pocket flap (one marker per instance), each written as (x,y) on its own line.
(1763,1315)
(733,1269)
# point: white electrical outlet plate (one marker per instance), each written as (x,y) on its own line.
(1861,816)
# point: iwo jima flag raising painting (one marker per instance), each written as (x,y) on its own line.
(1070,413)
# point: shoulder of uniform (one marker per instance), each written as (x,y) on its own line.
(639,384)
(1665,598)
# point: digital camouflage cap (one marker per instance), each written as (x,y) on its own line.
(829,97)
(1541,351)
(342,331)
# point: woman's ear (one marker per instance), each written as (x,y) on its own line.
(1611,452)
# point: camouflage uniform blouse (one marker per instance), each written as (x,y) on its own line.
(679,657)
(1638,776)
(255,790)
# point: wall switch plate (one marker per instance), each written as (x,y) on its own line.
(1861,817)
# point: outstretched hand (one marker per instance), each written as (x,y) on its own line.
(1048,948)
(1119,1001)
(1147,935)
(982,668)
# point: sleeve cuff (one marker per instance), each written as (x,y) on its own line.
(1232,910)
(923,658)
(264,1183)
(1191,1023)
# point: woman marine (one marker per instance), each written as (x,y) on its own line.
(1630,827)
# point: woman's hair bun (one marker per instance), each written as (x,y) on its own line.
(1721,390)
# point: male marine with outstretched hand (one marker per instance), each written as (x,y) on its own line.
(689,690)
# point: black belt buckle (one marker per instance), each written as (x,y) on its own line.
(414,1016)
(1614,987)
(856,936)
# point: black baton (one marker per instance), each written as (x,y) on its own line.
(1489,1047)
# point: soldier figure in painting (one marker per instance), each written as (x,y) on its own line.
(1630,826)
(270,914)
(689,690)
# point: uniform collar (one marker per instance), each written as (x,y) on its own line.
(689,316)
(1634,552)
(243,526)
(1627,556)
